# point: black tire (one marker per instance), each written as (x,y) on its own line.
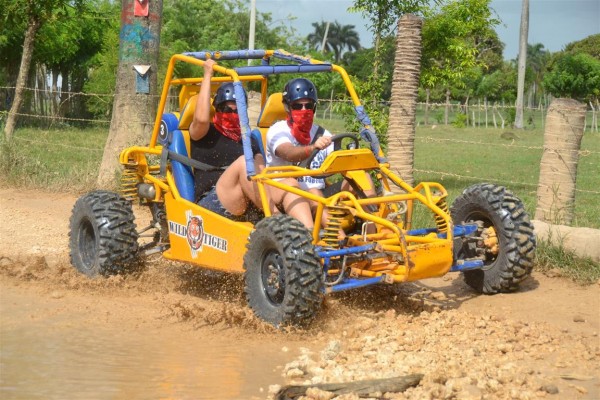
(102,235)
(496,206)
(283,275)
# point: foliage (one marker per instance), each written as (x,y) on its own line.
(360,63)
(460,121)
(378,111)
(575,76)
(103,69)
(454,37)
(590,45)
(384,14)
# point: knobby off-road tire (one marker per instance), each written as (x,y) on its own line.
(496,206)
(283,275)
(102,235)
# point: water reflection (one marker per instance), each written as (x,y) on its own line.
(55,358)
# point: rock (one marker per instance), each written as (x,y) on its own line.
(294,373)
(332,350)
(438,296)
(578,318)
(57,295)
(549,388)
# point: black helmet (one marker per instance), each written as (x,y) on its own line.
(225,92)
(299,88)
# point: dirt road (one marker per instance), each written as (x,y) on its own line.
(173,331)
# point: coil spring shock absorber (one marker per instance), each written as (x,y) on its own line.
(441,225)
(334,225)
(129,181)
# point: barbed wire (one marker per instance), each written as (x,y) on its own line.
(431,139)
(481,106)
(55,117)
(479,179)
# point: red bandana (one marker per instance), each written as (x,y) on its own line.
(300,123)
(228,124)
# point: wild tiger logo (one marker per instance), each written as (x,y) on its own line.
(195,232)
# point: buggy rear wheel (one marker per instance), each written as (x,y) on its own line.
(508,243)
(102,235)
(283,275)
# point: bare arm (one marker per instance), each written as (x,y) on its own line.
(201,122)
(292,153)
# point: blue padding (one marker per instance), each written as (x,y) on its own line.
(184,177)
(256,136)
(168,123)
(240,100)
(227,55)
(171,121)
(282,69)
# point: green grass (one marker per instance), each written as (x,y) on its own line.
(582,270)
(64,159)
(460,157)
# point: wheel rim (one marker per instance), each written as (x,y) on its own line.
(87,244)
(490,258)
(273,277)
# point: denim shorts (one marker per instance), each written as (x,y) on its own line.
(211,202)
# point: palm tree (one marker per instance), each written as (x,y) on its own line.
(339,37)
(405,84)
(537,61)
(315,39)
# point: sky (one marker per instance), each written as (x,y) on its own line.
(554,23)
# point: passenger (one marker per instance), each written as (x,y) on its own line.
(215,142)
(294,140)
(235,197)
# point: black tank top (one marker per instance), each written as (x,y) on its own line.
(213,149)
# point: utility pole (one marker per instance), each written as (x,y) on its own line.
(324,37)
(252,27)
(522,63)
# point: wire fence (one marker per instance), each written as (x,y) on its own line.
(480,115)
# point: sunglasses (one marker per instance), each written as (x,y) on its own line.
(305,106)
(227,110)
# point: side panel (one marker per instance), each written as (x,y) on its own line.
(204,238)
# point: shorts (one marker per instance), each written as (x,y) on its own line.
(211,202)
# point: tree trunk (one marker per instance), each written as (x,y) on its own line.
(358,388)
(133,113)
(427,94)
(405,83)
(11,121)
(522,63)
(558,167)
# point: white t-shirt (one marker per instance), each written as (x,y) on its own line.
(280,133)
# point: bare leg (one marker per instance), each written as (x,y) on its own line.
(229,188)
(235,190)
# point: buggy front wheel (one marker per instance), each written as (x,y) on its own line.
(283,275)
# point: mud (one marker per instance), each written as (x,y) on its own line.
(174,331)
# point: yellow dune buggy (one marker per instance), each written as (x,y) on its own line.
(402,234)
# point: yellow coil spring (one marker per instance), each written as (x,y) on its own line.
(129,181)
(442,226)
(334,225)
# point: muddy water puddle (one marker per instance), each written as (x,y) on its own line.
(64,353)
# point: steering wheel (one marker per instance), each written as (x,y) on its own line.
(336,138)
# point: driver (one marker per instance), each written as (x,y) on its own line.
(294,140)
